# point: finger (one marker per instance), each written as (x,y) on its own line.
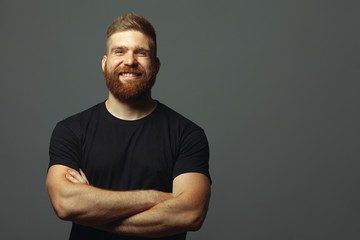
(76,175)
(71,178)
(84,176)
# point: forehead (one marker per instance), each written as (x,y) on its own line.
(130,39)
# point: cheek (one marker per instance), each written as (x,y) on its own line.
(147,66)
(114,63)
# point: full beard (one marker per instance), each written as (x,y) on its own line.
(131,90)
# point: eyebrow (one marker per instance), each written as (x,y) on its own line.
(137,48)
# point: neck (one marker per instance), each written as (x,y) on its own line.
(131,110)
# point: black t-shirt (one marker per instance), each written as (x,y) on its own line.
(123,155)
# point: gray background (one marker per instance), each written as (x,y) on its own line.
(275,84)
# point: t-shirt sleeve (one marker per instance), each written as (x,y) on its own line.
(193,155)
(64,147)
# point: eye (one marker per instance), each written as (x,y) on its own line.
(142,53)
(119,52)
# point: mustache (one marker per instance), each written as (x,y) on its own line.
(136,70)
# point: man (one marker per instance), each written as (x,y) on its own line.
(130,167)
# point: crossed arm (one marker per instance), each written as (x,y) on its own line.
(147,213)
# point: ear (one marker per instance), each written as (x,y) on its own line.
(103,62)
(157,62)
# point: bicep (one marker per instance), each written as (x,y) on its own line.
(194,188)
(61,191)
(56,182)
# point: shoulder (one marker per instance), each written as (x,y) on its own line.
(76,122)
(177,119)
(82,116)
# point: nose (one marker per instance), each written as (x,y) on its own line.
(130,59)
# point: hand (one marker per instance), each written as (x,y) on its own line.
(76,177)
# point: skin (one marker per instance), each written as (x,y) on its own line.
(143,213)
(130,49)
(185,211)
(87,205)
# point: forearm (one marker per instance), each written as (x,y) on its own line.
(88,205)
(170,217)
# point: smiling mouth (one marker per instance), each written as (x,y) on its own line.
(127,74)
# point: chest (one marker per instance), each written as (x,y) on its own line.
(129,157)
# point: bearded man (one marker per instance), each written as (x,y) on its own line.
(129,167)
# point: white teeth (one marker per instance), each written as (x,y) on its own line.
(129,74)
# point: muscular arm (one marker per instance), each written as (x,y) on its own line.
(88,205)
(186,211)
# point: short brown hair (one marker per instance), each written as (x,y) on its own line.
(133,21)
